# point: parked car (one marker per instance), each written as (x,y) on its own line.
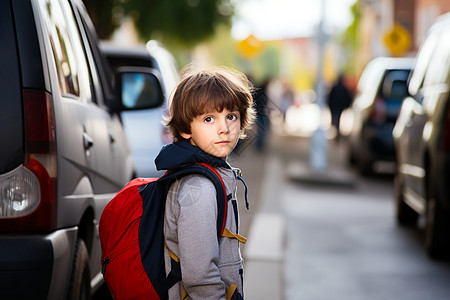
(65,154)
(144,128)
(422,140)
(374,110)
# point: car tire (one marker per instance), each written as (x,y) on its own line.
(80,283)
(406,216)
(437,230)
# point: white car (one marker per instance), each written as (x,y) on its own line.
(145,131)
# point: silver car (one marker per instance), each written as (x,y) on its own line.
(374,110)
(65,152)
(422,140)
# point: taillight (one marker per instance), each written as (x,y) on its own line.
(28,193)
(20,193)
(378,112)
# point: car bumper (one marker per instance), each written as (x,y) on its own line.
(36,266)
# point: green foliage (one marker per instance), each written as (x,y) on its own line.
(186,22)
(350,38)
(222,48)
(103,16)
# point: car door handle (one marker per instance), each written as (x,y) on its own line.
(112,140)
(88,142)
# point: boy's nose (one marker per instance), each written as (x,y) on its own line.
(223,127)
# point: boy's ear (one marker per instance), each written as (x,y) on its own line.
(185,135)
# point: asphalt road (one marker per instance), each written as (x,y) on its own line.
(326,235)
(330,235)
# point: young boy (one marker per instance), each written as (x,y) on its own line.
(210,110)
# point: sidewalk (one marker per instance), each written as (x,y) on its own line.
(286,159)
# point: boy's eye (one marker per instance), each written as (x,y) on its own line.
(232,117)
(208,119)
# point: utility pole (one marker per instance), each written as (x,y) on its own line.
(319,147)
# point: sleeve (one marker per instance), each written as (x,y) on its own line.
(197,239)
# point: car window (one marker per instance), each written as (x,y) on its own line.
(437,75)
(394,84)
(439,66)
(99,67)
(62,48)
(423,59)
(70,62)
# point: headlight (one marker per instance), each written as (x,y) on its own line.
(19,193)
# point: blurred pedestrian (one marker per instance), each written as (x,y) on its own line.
(339,99)
(287,98)
(262,117)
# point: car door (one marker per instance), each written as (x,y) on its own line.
(94,161)
(88,136)
(415,127)
(411,122)
(116,158)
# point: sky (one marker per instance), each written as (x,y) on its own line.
(277,19)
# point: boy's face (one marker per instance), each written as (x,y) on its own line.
(216,133)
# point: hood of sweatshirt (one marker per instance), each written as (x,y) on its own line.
(183,153)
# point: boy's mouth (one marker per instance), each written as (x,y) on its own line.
(223,143)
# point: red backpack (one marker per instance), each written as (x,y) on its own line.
(132,239)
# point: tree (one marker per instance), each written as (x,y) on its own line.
(186,22)
(101,13)
(350,38)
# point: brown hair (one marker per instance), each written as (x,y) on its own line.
(206,90)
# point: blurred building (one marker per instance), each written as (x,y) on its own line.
(395,27)
(425,14)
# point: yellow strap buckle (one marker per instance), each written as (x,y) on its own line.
(227,233)
(231,290)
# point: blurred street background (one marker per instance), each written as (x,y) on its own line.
(322,222)
(330,235)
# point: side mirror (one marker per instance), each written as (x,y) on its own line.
(398,90)
(138,88)
(395,85)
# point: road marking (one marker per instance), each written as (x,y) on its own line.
(266,242)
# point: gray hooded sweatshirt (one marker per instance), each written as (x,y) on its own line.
(208,265)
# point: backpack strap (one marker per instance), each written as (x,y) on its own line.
(151,225)
(212,174)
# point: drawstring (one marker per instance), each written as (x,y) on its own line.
(246,200)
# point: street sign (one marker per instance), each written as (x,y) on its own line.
(250,46)
(397,40)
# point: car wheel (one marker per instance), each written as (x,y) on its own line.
(437,230)
(405,215)
(80,283)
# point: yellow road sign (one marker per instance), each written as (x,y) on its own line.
(250,46)
(397,39)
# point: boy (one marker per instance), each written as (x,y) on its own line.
(210,110)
